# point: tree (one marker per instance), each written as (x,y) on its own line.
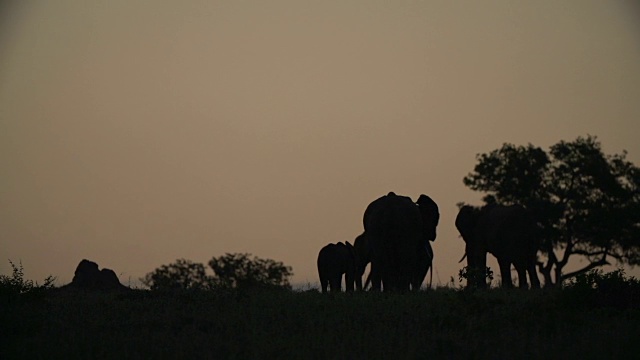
(586,203)
(181,275)
(229,271)
(238,270)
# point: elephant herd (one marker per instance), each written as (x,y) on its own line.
(397,243)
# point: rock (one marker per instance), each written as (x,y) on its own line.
(88,276)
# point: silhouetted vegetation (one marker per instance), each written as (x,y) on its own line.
(612,289)
(239,270)
(16,284)
(229,271)
(586,203)
(181,275)
(596,316)
(467,274)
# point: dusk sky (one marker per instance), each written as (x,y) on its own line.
(134,133)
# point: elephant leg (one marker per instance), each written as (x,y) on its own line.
(324,282)
(360,270)
(349,282)
(477,267)
(367,282)
(522,277)
(533,276)
(335,283)
(416,284)
(505,272)
(376,281)
(358,282)
(419,275)
(386,282)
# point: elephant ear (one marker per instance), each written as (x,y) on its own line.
(430,215)
(466,221)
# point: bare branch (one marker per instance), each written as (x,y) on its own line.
(587,268)
(568,251)
(597,253)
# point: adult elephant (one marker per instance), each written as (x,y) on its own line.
(334,261)
(507,232)
(398,232)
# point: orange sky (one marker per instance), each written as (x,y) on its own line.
(136,133)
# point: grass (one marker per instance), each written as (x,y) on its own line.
(279,324)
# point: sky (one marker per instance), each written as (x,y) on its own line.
(134,133)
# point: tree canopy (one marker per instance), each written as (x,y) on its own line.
(239,270)
(586,203)
(180,275)
(229,271)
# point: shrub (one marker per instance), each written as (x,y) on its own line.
(610,289)
(229,271)
(466,273)
(240,271)
(17,285)
(181,275)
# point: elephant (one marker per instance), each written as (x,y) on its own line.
(334,261)
(361,247)
(507,232)
(398,232)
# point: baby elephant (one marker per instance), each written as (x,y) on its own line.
(333,261)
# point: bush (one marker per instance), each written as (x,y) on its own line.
(181,275)
(229,271)
(239,271)
(611,289)
(467,273)
(17,285)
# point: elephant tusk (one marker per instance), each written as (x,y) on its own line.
(463,257)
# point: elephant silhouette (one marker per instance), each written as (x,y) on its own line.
(507,232)
(334,261)
(398,232)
